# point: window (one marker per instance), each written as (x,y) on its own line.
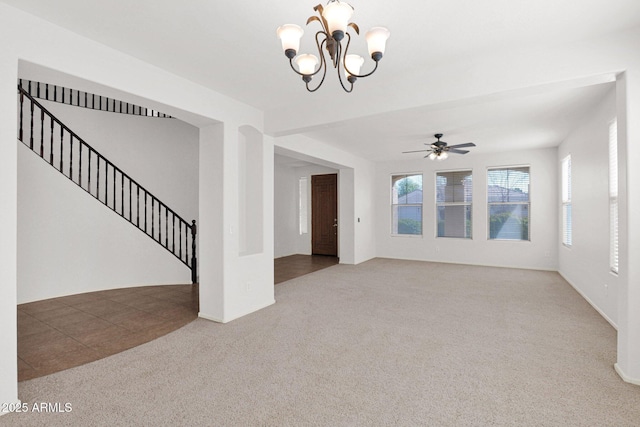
(509,203)
(453,204)
(303,203)
(406,204)
(613,196)
(567,228)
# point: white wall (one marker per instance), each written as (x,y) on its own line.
(285,204)
(108,72)
(70,243)
(355,193)
(288,240)
(539,253)
(586,263)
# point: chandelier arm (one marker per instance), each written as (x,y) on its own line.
(346,50)
(339,73)
(324,74)
(323,64)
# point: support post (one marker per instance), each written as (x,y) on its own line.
(194,260)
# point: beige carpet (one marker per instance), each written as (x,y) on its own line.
(386,342)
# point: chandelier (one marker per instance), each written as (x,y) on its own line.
(334,19)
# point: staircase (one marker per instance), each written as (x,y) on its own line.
(65,151)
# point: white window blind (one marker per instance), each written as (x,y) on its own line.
(406,204)
(613,196)
(567,226)
(303,205)
(454,193)
(508,203)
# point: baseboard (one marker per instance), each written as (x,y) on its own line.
(517,267)
(237,315)
(596,308)
(625,377)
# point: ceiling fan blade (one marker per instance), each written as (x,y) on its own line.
(415,151)
(455,150)
(467,144)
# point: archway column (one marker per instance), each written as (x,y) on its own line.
(628,107)
(8,230)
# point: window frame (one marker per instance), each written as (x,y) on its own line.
(567,206)
(445,204)
(614,199)
(489,204)
(392,205)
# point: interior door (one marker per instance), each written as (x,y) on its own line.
(324,214)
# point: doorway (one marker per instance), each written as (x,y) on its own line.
(324,214)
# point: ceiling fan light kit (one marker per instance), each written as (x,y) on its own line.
(440,150)
(334,19)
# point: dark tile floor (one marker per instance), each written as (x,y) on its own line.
(290,267)
(61,333)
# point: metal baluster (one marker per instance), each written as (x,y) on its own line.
(121,194)
(106,182)
(137,205)
(153,223)
(145,211)
(80,164)
(41,133)
(98,176)
(180,237)
(71,156)
(38,90)
(93,101)
(186,241)
(29,87)
(21,113)
(121,106)
(78,98)
(85,100)
(61,146)
(100,102)
(114,186)
(55,93)
(173,236)
(47,91)
(89,171)
(159,222)
(51,142)
(166,227)
(129,199)
(70,96)
(31,140)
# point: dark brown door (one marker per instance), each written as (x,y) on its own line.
(324,214)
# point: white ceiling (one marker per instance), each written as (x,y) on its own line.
(231,47)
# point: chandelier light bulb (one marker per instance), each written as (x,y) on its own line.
(307,64)
(352,64)
(433,156)
(290,35)
(337,15)
(377,41)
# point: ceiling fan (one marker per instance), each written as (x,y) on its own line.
(440,150)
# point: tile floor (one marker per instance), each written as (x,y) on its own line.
(290,267)
(61,333)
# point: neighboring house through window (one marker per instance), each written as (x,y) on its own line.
(567,226)
(453,204)
(406,204)
(508,203)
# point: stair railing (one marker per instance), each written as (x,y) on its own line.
(64,150)
(77,98)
